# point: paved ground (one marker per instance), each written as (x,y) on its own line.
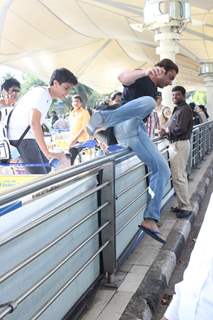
(185,256)
(148,269)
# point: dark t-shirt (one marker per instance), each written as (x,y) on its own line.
(142,87)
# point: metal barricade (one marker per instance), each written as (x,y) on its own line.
(72,229)
(201,143)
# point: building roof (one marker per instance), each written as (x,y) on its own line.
(95,39)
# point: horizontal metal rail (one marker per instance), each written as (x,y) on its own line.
(20,299)
(131,202)
(70,281)
(130,220)
(131,186)
(141,164)
(49,245)
(52,214)
(59,177)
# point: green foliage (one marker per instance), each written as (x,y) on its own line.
(197,96)
(83,91)
(200,97)
(7,76)
(30,81)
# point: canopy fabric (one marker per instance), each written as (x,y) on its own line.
(95,39)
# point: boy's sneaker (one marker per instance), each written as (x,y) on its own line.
(96,121)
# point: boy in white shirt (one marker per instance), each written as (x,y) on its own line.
(30,112)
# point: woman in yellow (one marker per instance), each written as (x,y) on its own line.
(79,118)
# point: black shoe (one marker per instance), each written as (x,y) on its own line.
(175,209)
(183,214)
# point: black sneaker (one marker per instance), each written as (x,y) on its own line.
(175,209)
(96,121)
(183,214)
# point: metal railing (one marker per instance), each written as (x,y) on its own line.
(80,228)
(201,143)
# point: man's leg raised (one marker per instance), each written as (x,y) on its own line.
(140,107)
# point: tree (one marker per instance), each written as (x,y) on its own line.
(83,91)
(30,81)
(200,97)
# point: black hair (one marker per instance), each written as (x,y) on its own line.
(192,105)
(168,65)
(63,75)
(77,96)
(115,94)
(179,88)
(203,108)
(9,83)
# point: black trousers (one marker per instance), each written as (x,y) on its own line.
(73,154)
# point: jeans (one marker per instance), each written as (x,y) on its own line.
(31,153)
(138,108)
(132,133)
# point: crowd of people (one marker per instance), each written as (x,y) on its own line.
(131,118)
(140,103)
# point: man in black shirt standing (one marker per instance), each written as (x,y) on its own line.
(179,132)
(140,88)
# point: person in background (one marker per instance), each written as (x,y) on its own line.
(54,118)
(107,137)
(30,113)
(153,123)
(159,108)
(196,117)
(61,123)
(165,117)
(179,132)
(10,90)
(115,99)
(201,110)
(79,118)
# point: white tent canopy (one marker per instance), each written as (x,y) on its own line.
(95,39)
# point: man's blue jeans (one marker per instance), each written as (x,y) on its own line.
(132,133)
(140,107)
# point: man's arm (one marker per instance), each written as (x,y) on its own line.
(129,77)
(75,138)
(39,136)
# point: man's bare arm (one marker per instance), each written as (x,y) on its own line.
(129,77)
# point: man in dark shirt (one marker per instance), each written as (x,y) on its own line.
(140,87)
(179,133)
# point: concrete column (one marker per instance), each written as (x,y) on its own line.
(206,71)
(167,19)
(167,39)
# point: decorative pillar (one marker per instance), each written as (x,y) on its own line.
(167,39)
(167,18)
(206,71)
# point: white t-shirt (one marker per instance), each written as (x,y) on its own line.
(37,98)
